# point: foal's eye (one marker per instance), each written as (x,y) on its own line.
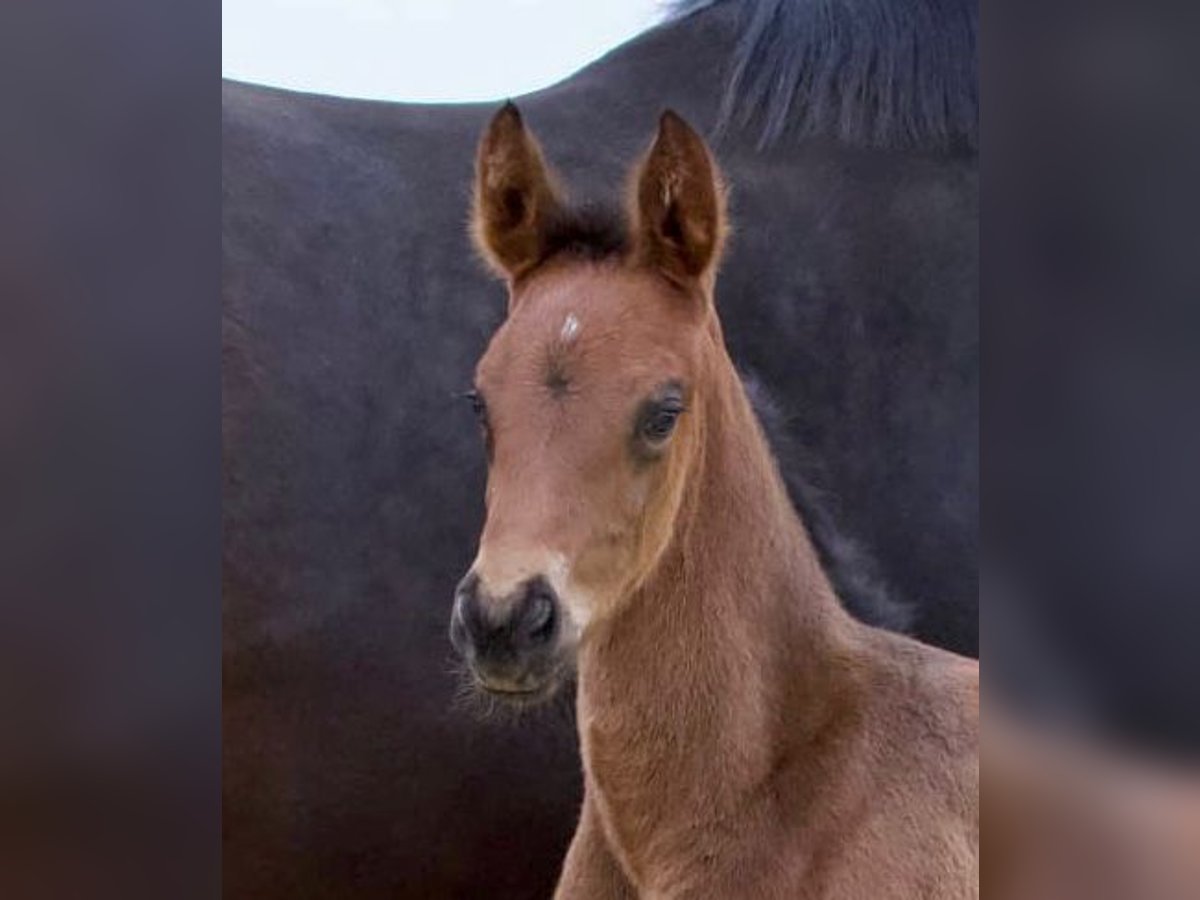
(659,420)
(477,404)
(480,407)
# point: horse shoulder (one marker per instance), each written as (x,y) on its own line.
(919,797)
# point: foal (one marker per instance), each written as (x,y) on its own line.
(742,736)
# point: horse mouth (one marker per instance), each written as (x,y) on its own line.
(511,692)
(527,692)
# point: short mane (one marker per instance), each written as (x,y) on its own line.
(870,72)
(591,231)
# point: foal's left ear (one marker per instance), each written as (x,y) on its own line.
(515,196)
(679,215)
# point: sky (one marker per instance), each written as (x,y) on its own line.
(423,50)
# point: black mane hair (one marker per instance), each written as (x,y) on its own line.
(870,72)
(589,231)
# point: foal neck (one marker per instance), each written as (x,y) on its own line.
(730,653)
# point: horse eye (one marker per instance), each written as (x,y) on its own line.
(477,404)
(660,422)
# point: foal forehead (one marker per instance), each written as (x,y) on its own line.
(589,318)
(559,303)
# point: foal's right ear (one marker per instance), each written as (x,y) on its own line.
(679,204)
(515,196)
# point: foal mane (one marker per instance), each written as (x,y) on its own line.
(590,231)
(870,72)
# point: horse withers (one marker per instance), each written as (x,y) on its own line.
(742,735)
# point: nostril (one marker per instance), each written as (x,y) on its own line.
(540,620)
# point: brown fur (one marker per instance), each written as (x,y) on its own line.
(515,195)
(742,736)
(679,207)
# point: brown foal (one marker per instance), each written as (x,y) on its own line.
(742,736)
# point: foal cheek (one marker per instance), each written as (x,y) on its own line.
(644,522)
(626,533)
(607,556)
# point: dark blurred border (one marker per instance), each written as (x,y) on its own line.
(1091,380)
(109,448)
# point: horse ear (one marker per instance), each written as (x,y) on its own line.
(515,196)
(679,214)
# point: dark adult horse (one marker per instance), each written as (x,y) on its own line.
(352,474)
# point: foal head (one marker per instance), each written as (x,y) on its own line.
(587,397)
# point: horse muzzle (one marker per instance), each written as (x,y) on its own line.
(511,643)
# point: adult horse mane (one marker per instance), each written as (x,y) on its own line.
(875,72)
(351,474)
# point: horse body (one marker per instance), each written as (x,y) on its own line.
(351,476)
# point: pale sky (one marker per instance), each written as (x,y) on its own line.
(422,50)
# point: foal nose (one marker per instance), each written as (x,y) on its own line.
(502,637)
